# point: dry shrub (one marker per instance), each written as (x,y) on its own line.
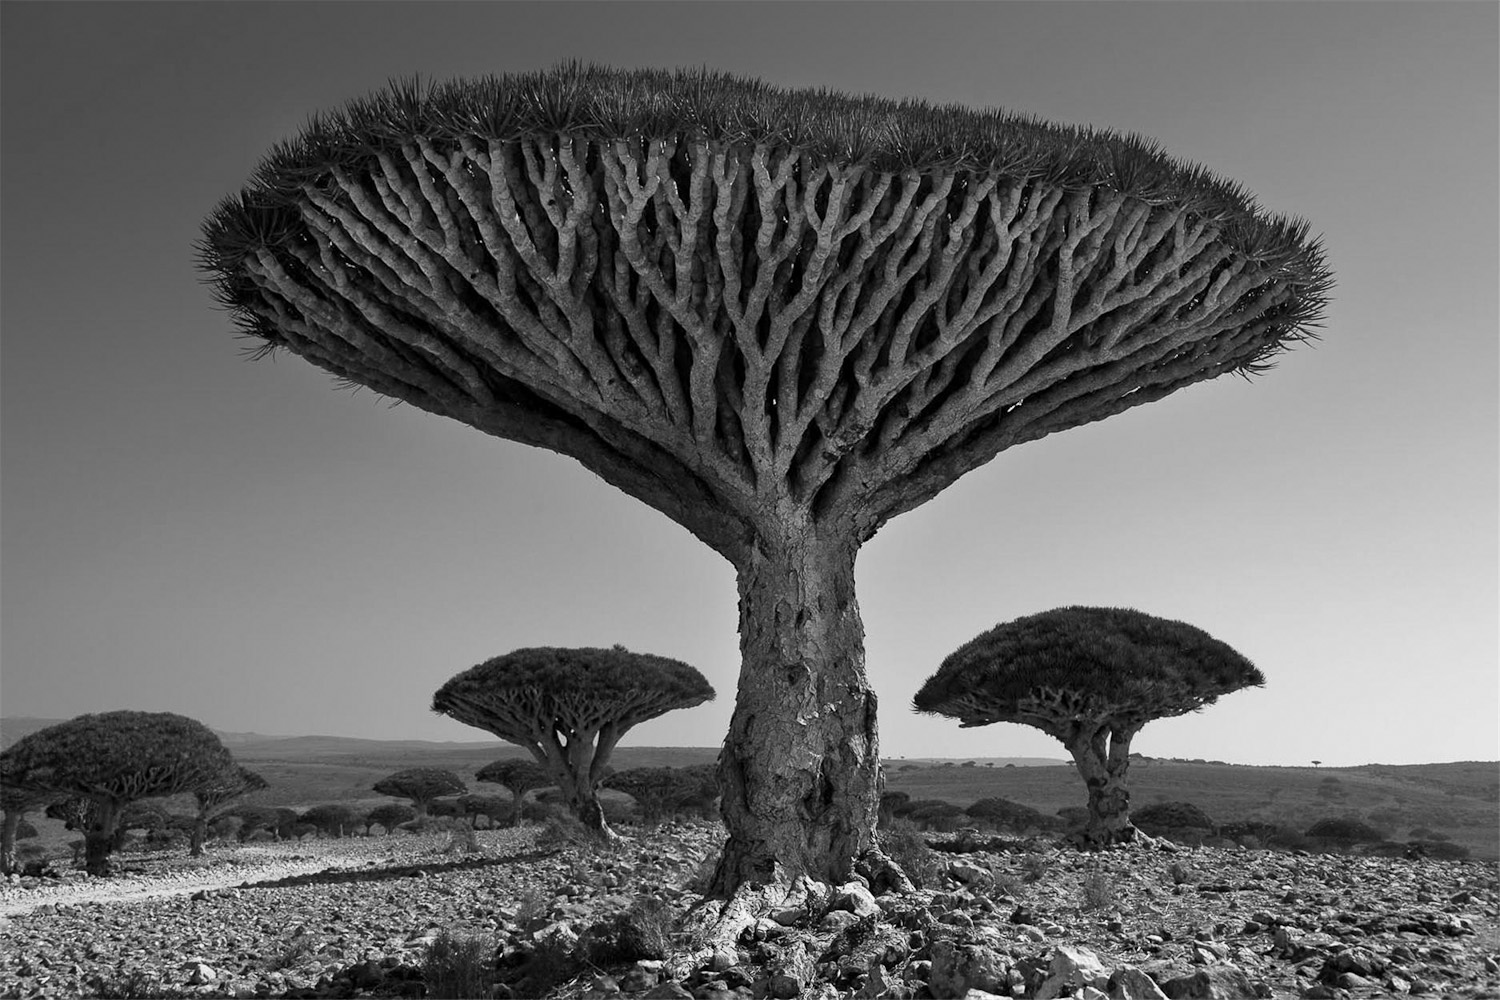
(1034,867)
(643,931)
(1097,890)
(458,966)
(461,839)
(290,955)
(904,844)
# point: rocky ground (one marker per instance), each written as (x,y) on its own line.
(998,917)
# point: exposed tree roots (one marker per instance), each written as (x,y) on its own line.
(715,926)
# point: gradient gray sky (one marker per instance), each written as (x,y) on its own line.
(186,531)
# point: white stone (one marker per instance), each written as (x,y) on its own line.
(1072,967)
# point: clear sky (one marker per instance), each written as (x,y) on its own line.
(186,531)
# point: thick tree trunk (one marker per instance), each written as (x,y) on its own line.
(99,839)
(200,834)
(1103,766)
(12,823)
(584,802)
(800,768)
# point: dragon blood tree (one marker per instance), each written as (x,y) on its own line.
(419,786)
(1090,678)
(517,776)
(214,798)
(111,760)
(780,317)
(568,708)
(661,791)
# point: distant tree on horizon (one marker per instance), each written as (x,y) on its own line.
(1090,678)
(662,791)
(114,759)
(569,708)
(213,800)
(517,775)
(420,786)
(392,815)
(330,818)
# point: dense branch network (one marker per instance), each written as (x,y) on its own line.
(721,327)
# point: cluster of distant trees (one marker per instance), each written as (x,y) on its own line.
(95,771)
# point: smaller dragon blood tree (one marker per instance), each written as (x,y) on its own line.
(516,775)
(1091,678)
(661,791)
(213,799)
(569,707)
(419,786)
(112,759)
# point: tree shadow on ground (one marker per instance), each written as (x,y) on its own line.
(342,876)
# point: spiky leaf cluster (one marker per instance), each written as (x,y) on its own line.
(715,293)
(421,784)
(120,756)
(1084,665)
(529,696)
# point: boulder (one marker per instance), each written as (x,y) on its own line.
(855,898)
(1216,982)
(1129,983)
(794,972)
(1071,969)
(958,968)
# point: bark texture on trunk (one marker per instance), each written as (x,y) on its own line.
(99,839)
(800,768)
(1103,758)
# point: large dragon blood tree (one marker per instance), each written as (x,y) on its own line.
(780,317)
(1091,678)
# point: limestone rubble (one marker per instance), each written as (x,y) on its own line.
(1012,919)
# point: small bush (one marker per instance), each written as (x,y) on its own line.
(935,814)
(295,952)
(1034,867)
(1438,850)
(902,842)
(1097,891)
(532,908)
(1162,819)
(459,966)
(1006,885)
(550,964)
(461,839)
(1344,832)
(1005,814)
(643,931)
